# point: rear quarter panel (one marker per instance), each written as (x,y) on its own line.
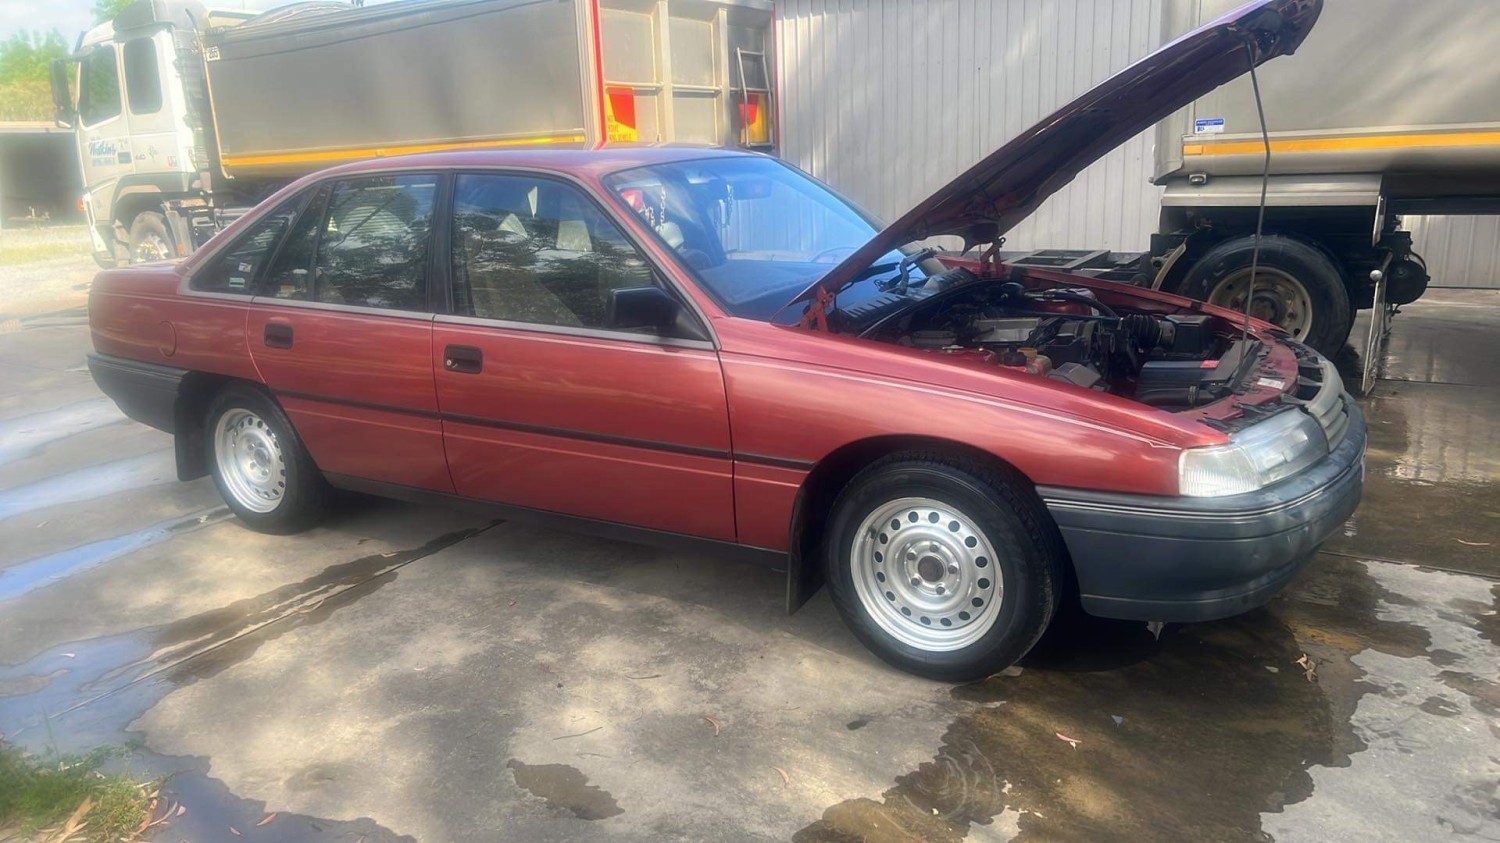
(141,313)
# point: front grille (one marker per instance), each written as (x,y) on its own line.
(1320,391)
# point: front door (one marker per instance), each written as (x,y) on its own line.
(545,403)
(342,333)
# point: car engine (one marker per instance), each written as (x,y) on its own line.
(1173,361)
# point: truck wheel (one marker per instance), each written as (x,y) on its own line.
(149,240)
(259,465)
(1297,287)
(942,566)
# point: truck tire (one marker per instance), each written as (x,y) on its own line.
(149,239)
(1297,286)
(943,566)
(259,465)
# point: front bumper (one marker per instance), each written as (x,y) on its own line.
(1195,559)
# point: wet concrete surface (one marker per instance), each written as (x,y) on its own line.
(409,673)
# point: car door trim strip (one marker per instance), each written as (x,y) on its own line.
(543,430)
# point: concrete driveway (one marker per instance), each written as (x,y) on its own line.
(416,673)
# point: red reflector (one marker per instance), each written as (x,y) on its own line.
(1209,364)
(80,205)
(622,106)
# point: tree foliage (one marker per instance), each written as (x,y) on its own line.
(24,79)
(107,9)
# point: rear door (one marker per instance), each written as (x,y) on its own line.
(342,333)
(545,404)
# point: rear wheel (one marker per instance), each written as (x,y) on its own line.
(259,465)
(1297,287)
(943,566)
(149,240)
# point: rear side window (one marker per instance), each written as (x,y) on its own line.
(142,77)
(372,243)
(99,86)
(234,271)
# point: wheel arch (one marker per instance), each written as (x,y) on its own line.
(190,417)
(829,475)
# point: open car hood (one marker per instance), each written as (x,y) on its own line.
(1001,190)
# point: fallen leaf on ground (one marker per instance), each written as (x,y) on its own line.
(75,821)
(1118,719)
(388,554)
(267,821)
(1273,669)
(181,809)
(1473,544)
(1309,667)
(235,832)
(1073,742)
(1155,627)
(785,779)
(717,726)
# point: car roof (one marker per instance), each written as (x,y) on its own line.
(594,163)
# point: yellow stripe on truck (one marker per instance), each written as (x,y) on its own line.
(329,156)
(1364,143)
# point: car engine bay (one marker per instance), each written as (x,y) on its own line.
(1175,361)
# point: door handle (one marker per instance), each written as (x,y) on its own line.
(463,359)
(278,335)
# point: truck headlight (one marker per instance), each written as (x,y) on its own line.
(1255,457)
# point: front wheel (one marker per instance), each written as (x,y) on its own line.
(149,240)
(944,567)
(259,465)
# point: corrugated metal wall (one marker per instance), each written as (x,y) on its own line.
(1460,251)
(888,100)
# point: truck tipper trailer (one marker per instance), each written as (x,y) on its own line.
(1389,107)
(187,116)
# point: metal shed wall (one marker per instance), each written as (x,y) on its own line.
(1460,251)
(887,100)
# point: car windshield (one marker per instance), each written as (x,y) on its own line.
(755,231)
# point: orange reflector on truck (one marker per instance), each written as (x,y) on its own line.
(755,121)
(619,114)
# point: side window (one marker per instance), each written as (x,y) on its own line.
(234,270)
(99,86)
(372,243)
(537,250)
(142,76)
(290,274)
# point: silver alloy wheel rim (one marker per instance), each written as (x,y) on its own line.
(1279,298)
(250,461)
(926,574)
(151,248)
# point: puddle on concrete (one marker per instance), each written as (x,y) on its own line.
(26,577)
(28,435)
(564,788)
(83,695)
(1216,726)
(98,481)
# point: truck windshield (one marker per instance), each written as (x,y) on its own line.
(754,230)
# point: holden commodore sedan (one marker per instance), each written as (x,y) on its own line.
(711,349)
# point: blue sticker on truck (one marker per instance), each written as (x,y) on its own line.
(1209,126)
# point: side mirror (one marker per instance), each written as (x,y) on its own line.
(652,309)
(63,112)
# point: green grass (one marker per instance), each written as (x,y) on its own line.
(39,792)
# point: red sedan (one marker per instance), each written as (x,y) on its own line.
(712,348)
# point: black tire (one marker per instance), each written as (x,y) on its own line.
(148,237)
(302,495)
(1302,262)
(1028,555)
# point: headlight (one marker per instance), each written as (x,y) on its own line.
(1255,457)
